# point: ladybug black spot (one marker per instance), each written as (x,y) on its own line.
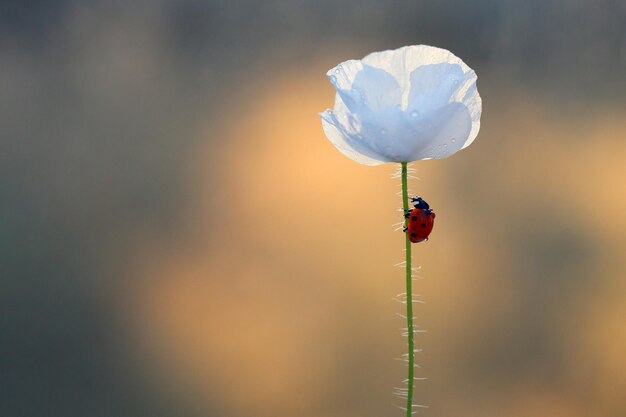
(414,218)
(423,224)
(413,234)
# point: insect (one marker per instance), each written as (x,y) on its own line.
(421,220)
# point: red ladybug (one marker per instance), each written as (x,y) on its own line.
(421,220)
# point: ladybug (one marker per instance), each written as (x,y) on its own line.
(421,220)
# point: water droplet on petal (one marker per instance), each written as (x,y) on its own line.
(383,131)
(362,96)
(445,145)
(414,113)
(452,140)
(333,79)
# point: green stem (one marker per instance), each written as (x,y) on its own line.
(409,295)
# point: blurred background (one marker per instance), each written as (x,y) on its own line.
(178,238)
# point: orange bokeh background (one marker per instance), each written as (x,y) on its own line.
(279,301)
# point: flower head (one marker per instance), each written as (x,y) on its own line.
(413,103)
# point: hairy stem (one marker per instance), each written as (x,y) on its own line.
(409,296)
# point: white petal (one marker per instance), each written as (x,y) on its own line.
(403,61)
(399,136)
(412,103)
(389,133)
(376,134)
(363,87)
(434,85)
(348,144)
(474,105)
(444,133)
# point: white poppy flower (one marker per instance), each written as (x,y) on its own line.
(413,103)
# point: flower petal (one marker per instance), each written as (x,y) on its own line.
(403,61)
(433,85)
(474,105)
(412,103)
(443,133)
(364,87)
(351,145)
